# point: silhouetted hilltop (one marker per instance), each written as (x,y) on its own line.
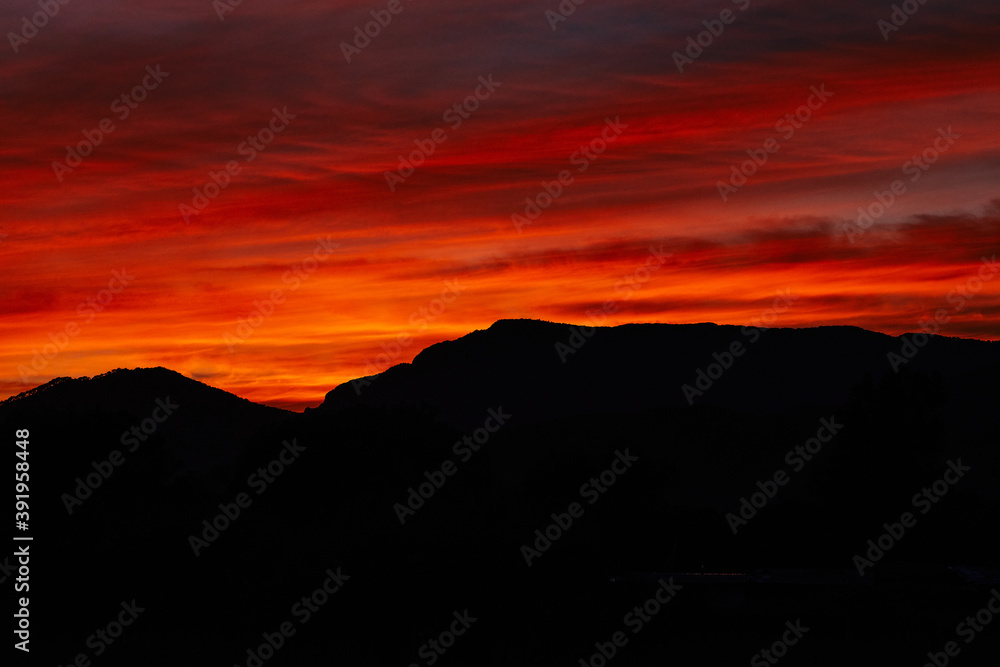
(542,370)
(134,390)
(114,402)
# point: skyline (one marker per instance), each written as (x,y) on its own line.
(323,223)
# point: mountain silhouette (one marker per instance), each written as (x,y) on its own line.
(214,420)
(445,487)
(533,368)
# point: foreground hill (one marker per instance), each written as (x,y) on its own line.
(104,406)
(546,499)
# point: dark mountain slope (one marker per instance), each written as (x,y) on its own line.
(637,367)
(337,504)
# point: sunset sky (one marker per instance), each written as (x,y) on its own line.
(112,228)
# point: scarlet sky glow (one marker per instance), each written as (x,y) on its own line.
(291,272)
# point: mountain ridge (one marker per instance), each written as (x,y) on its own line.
(431,483)
(632,367)
(566,343)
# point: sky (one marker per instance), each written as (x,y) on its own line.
(264,198)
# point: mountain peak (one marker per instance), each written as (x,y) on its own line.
(549,369)
(128,389)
